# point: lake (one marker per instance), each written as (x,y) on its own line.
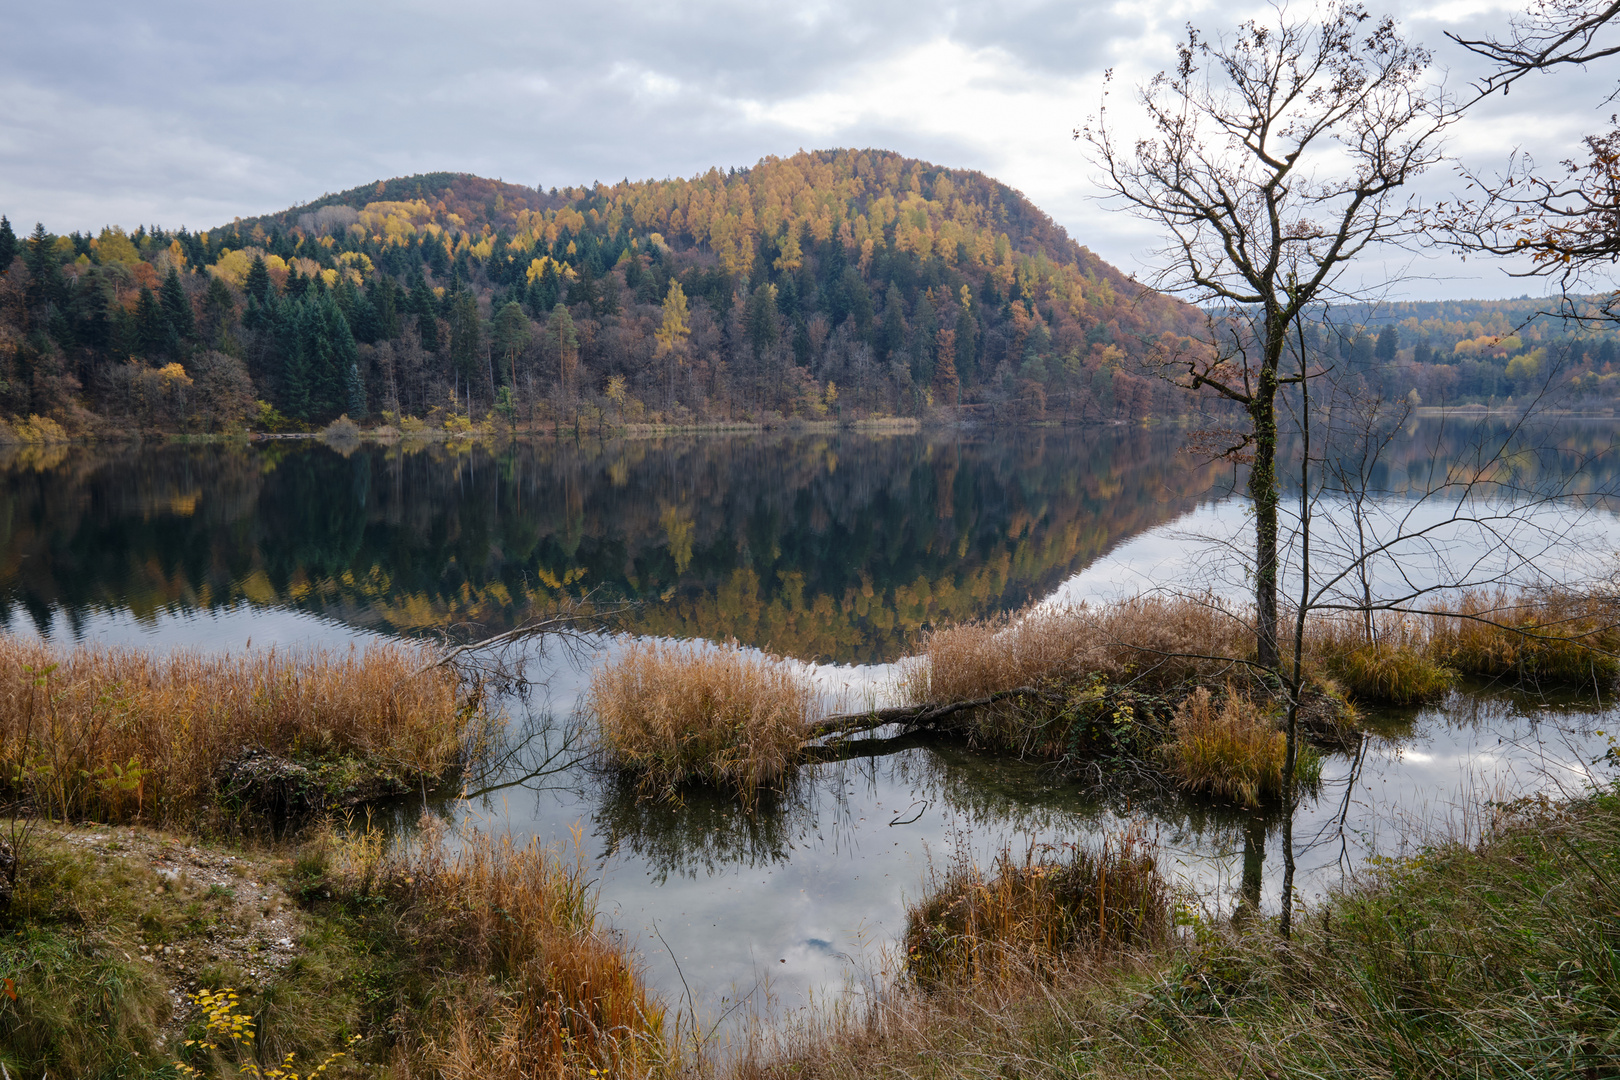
(837,550)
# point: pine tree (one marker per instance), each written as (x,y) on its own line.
(44,273)
(1389,340)
(177,306)
(154,334)
(258,284)
(8,244)
(427,315)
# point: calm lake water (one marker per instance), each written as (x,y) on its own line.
(835,550)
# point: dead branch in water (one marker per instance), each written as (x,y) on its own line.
(912,716)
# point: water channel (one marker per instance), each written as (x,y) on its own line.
(836,550)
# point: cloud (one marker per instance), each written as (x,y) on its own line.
(194,113)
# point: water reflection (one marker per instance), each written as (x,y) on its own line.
(832,547)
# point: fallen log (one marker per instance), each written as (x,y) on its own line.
(911,716)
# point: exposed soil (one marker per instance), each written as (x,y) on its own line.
(217,913)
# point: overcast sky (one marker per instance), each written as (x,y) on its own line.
(193,113)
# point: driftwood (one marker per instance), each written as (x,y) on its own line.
(910,716)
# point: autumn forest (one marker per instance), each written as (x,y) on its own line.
(827,285)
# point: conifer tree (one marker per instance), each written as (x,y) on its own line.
(45,274)
(177,306)
(258,285)
(218,307)
(427,315)
(154,334)
(8,244)
(465,351)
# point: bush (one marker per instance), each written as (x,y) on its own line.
(1391,672)
(668,714)
(1233,752)
(118,735)
(1023,918)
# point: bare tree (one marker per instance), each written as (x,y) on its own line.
(1274,158)
(1551,34)
(1566,221)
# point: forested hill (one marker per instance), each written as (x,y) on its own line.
(831,283)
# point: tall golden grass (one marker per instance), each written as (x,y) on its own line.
(1232,751)
(1025,915)
(1534,636)
(1154,642)
(673,713)
(118,735)
(550,994)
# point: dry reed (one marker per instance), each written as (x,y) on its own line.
(119,735)
(1152,642)
(1533,636)
(1026,915)
(1232,752)
(529,985)
(668,714)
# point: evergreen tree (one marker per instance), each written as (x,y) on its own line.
(1389,340)
(427,315)
(8,244)
(892,338)
(218,308)
(154,335)
(296,377)
(177,306)
(45,273)
(465,351)
(258,285)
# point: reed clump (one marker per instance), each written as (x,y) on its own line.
(1396,668)
(503,968)
(1024,916)
(1154,642)
(669,714)
(1232,750)
(1549,636)
(119,735)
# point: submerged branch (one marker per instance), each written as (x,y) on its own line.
(912,716)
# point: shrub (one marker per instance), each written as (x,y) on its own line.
(117,735)
(502,942)
(1393,672)
(1550,636)
(1154,642)
(672,713)
(1233,752)
(341,430)
(1025,916)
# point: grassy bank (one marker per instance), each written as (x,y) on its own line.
(122,735)
(485,961)
(1492,959)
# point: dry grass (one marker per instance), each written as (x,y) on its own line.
(1234,751)
(669,714)
(974,929)
(1536,637)
(529,986)
(1152,642)
(1398,668)
(121,735)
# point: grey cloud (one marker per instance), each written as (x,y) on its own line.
(186,112)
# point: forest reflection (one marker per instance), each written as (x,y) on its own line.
(833,547)
(830,547)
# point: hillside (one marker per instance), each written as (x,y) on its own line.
(831,283)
